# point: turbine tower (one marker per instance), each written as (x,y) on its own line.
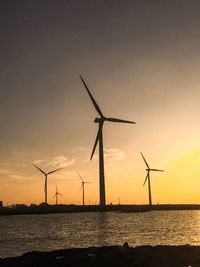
(99,139)
(83,187)
(56,195)
(148,178)
(45,183)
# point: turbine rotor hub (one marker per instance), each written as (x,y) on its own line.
(98,120)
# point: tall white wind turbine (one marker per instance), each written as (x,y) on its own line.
(46,177)
(57,194)
(99,140)
(83,187)
(148,169)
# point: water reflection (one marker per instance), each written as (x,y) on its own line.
(20,234)
(103,225)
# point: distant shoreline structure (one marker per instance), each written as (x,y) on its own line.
(120,208)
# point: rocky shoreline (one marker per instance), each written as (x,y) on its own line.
(119,256)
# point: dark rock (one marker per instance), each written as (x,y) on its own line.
(112,256)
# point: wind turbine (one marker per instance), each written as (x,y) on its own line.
(83,187)
(148,177)
(99,139)
(56,195)
(45,183)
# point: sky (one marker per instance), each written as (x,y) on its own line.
(141,61)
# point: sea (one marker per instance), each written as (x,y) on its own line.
(23,233)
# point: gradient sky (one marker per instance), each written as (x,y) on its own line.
(141,61)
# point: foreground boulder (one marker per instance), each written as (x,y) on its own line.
(119,256)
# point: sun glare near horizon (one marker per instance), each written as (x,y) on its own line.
(140,61)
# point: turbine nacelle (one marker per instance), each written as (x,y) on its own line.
(99,120)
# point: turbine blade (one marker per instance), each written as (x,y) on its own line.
(54,196)
(145,161)
(96,141)
(146,179)
(156,170)
(60,194)
(55,170)
(92,98)
(119,120)
(80,176)
(80,187)
(38,168)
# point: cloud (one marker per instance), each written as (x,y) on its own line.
(39,161)
(114,154)
(110,154)
(60,161)
(68,176)
(82,148)
(13,176)
(5,171)
(21,165)
(14,164)
(86,151)
(18,177)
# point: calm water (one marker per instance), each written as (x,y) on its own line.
(23,233)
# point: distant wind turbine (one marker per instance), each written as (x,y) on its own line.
(57,194)
(46,176)
(148,177)
(99,139)
(83,187)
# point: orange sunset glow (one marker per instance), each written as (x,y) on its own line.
(140,63)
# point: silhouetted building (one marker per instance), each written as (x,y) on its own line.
(1,204)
